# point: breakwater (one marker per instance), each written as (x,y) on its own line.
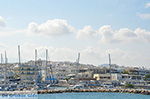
(136,91)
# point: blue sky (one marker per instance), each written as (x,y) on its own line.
(66,27)
(78,12)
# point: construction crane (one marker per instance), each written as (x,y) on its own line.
(52,78)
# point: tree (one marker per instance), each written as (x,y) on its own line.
(129,86)
(125,72)
(147,77)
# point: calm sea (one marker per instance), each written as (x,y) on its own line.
(87,95)
(93,95)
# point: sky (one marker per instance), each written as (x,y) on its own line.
(66,27)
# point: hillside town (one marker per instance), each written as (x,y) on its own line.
(43,74)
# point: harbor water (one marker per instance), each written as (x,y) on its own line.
(82,95)
(93,95)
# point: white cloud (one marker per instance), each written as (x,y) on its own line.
(89,55)
(2,22)
(144,15)
(107,34)
(147,5)
(51,28)
(2,45)
(55,54)
(92,55)
(110,35)
(4,32)
(143,34)
(125,34)
(126,57)
(9,32)
(86,32)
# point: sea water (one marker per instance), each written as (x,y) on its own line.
(93,95)
(85,95)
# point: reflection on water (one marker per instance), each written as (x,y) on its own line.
(19,96)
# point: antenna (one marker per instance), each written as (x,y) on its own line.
(6,59)
(1,58)
(19,54)
(35,56)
